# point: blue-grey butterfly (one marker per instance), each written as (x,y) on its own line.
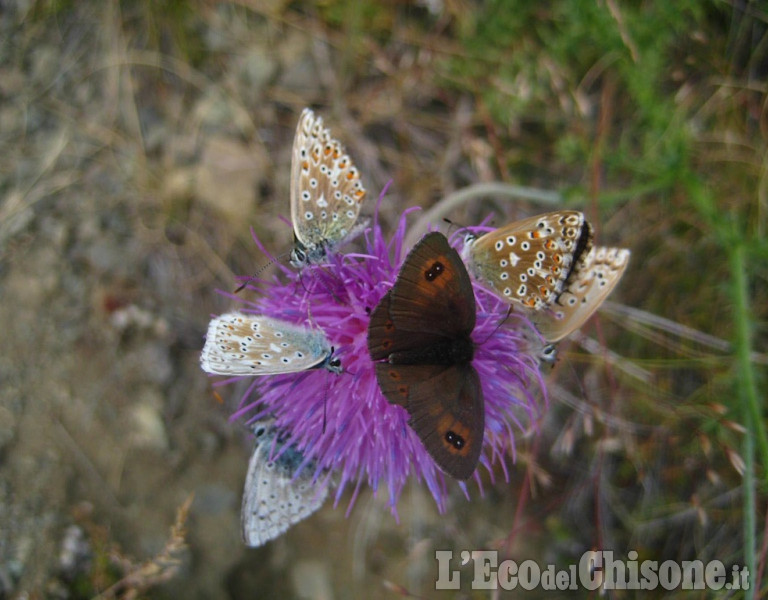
(280,489)
(244,344)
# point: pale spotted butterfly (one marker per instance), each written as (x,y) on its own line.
(280,489)
(326,192)
(528,262)
(586,289)
(243,344)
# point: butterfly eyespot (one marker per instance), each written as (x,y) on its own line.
(522,290)
(525,246)
(335,183)
(299,354)
(337,195)
(434,271)
(308,215)
(511,240)
(335,217)
(540,255)
(504,276)
(360,194)
(313,183)
(323,215)
(258,336)
(350,214)
(499,246)
(455,440)
(537,264)
(285,360)
(531,271)
(523,277)
(534,235)
(503,263)
(507,292)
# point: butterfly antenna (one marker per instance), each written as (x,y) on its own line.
(260,271)
(459,228)
(504,320)
(325,401)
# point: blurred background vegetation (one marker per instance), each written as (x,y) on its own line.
(141,140)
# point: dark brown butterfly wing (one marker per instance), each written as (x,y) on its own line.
(433,292)
(384,339)
(445,405)
(422,328)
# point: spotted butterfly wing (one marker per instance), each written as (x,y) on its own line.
(528,262)
(326,192)
(277,494)
(421,329)
(586,290)
(243,344)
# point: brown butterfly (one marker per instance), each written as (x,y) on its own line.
(421,330)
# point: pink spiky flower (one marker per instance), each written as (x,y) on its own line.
(342,422)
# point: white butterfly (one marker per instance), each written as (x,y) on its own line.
(587,287)
(242,344)
(326,192)
(275,496)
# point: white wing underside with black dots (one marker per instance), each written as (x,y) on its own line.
(243,344)
(275,497)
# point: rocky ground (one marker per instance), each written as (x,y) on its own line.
(138,150)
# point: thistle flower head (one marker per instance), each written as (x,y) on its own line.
(343,422)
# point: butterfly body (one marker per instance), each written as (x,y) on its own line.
(244,344)
(421,331)
(279,487)
(326,192)
(440,352)
(528,262)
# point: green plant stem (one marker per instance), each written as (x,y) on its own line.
(751,412)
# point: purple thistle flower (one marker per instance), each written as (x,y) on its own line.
(367,439)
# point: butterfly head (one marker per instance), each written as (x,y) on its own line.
(548,355)
(333,363)
(302,255)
